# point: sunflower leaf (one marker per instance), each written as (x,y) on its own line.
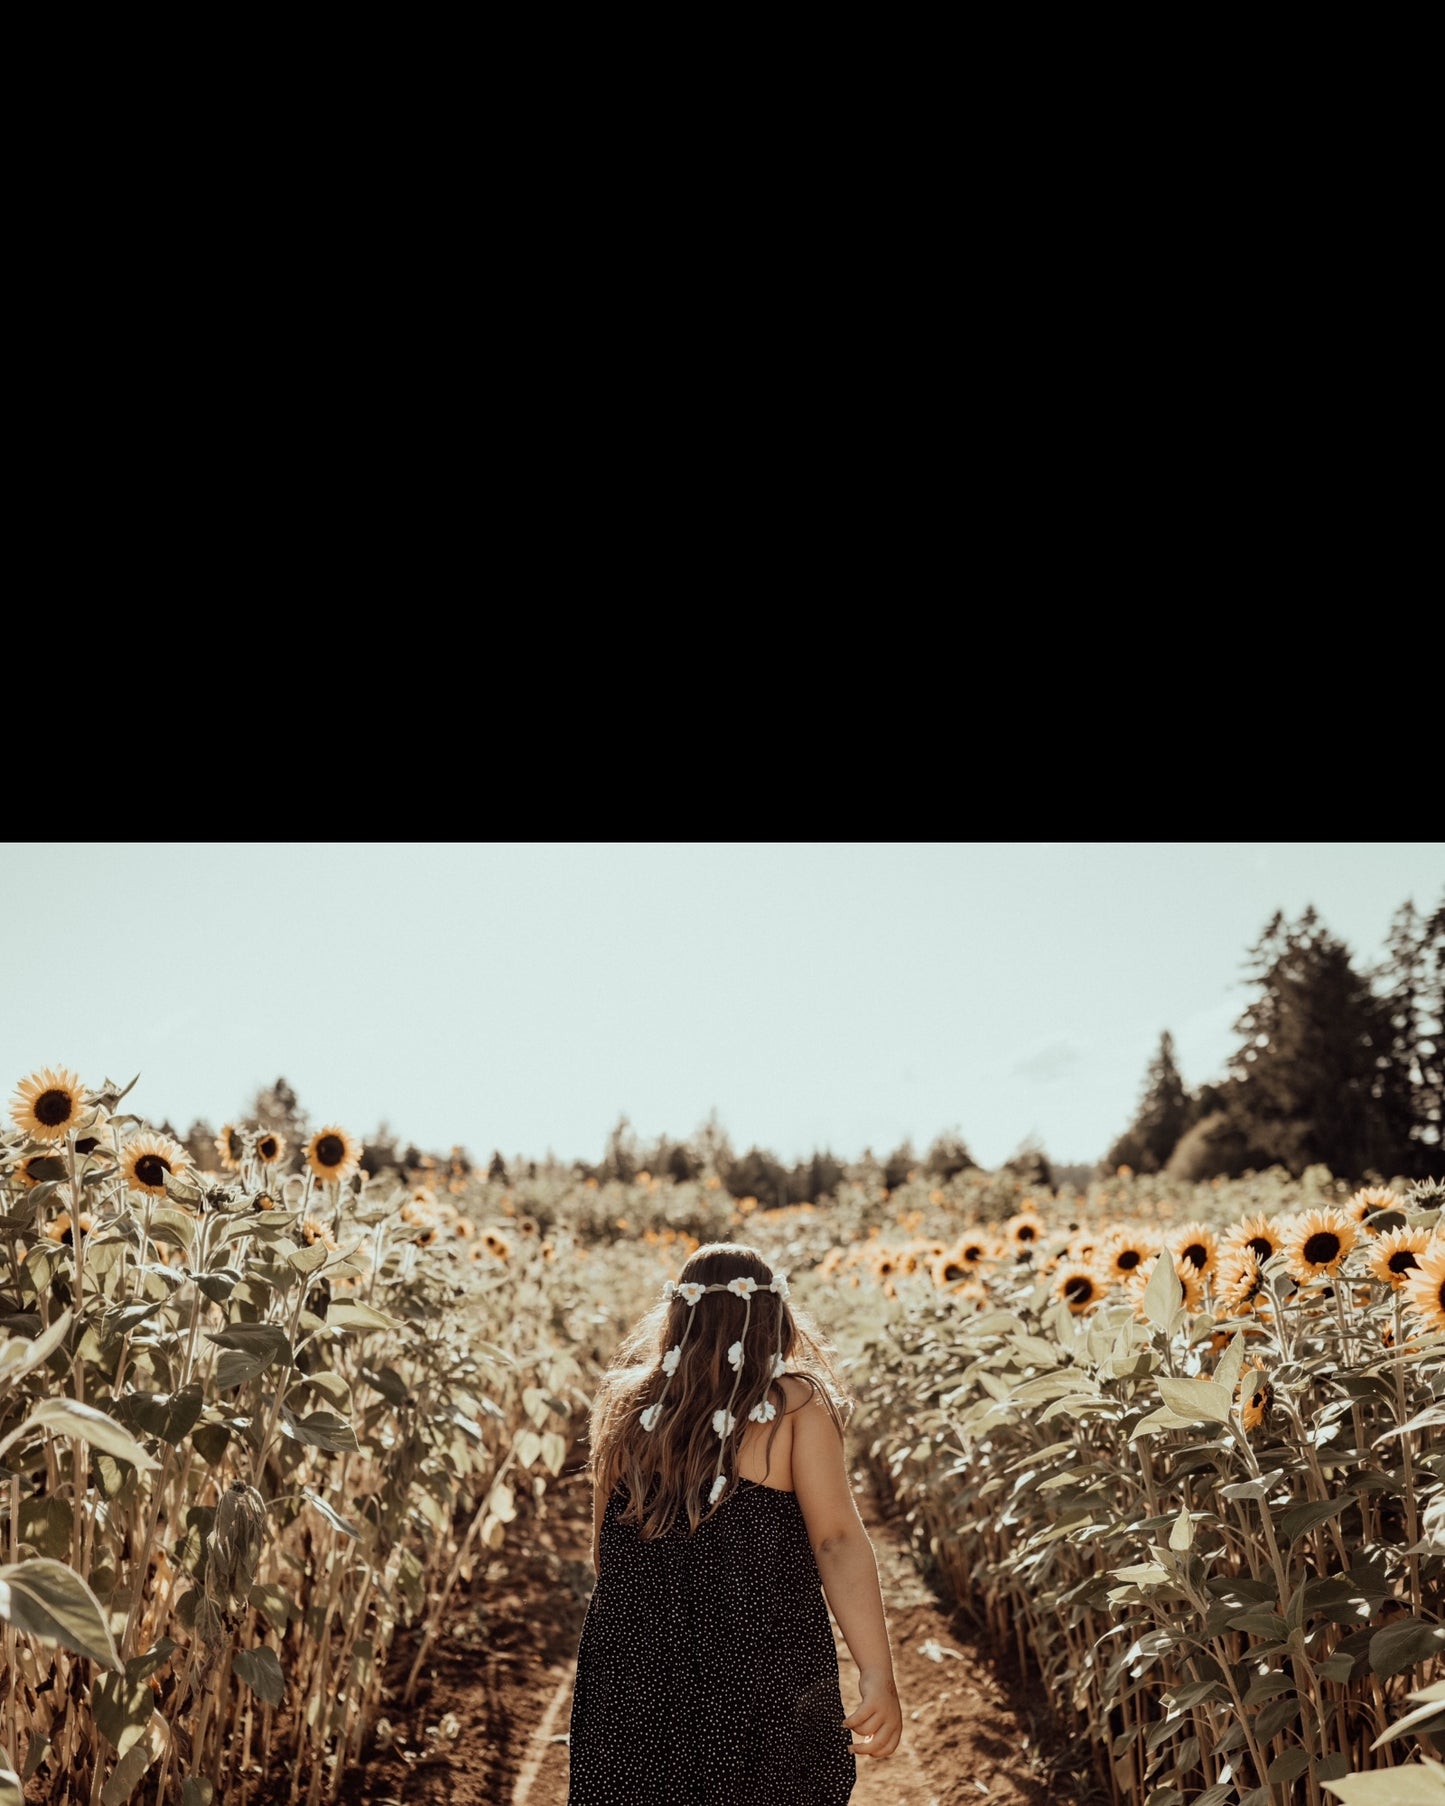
(1163,1295)
(20,1355)
(1198,1401)
(47,1599)
(68,1417)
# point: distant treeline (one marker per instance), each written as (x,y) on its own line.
(1336,1067)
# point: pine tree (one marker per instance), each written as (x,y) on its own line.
(1412,982)
(1315,1072)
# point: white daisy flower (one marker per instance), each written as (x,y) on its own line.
(671,1359)
(722,1422)
(735,1356)
(763,1412)
(690,1293)
(650,1417)
(742,1286)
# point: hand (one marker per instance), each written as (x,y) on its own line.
(877,1717)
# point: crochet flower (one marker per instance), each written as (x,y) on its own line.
(763,1412)
(743,1286)
(690,1293)
(669,1291)
(671,1359)
(780,1367)
(717,1488)
(650,1417)
(779,1285)
(722,1422)
(735,1356)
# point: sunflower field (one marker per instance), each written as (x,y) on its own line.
(1178,1449)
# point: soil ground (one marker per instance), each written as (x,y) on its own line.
(488,1724)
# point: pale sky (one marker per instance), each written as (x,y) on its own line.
(525,995)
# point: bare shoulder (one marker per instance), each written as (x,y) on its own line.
(797,1392)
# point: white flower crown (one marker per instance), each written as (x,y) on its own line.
(723,1421)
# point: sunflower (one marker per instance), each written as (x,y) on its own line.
(1256,1395)
(313,1231)
(496,1244)
(1257,1233)
(948,1271)
(1239,1283)
(35,1169)
(229,1147)
(332,1155)
(270,1147)
(1424,1288)
(146,1159)
(1317,1241)
(1197,1244)
(464,1227)
(48,1104)
(61,1229)
(1394,1254)
(1023,1230)
(1078,1286)
(1124,1254)
(1370,1199)
(975,1248)
(1138,1283)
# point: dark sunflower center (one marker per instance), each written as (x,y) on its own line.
(233,1144)
(1128,1259)
(151,1169)
(331,1150)
(1197,1254)
(952,1272)
(885,1267)
(1321,1248)
(1026,1232)
(87,1144)
(53,1108)
(1257,1401)
(266,1147)
(1079,1290)
(1402,1260)
(973,1253)
(1440,1295)
(1261,1248)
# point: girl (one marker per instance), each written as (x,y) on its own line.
(707,1673)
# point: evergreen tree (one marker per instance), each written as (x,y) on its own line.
(1164,1113)
(1412,984)
(1314,1071)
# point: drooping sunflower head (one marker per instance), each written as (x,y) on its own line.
(313,1231)
(48,1104)
(1397,1254)
(229,1147)
(1198,1244)
(270,1147)
(1316,1241)
(1239,1283)
(332,1155)
(146,1159)
(1079,1287)
(1125,1253)
(1257,1234)
(1256,1395)
(1424,1288)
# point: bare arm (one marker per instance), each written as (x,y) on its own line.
(849,1572)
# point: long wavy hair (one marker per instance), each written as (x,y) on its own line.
(669,1469)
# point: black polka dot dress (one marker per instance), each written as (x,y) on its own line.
(707,1674)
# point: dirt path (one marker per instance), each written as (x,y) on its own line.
(489,1725)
